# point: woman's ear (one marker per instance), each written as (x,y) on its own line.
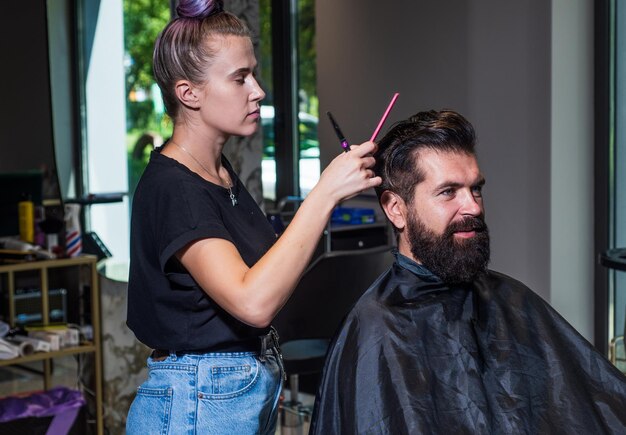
(395,209)
(187,94)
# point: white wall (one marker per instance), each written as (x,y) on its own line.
(491,61)
(61,84)
(106,128)
(571,227)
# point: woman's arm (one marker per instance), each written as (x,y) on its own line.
(254,295)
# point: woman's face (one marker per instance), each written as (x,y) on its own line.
(230,98)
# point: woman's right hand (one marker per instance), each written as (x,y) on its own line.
(349,173)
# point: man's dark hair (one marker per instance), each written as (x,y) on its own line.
(444,130)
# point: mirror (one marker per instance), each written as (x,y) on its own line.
(26,139)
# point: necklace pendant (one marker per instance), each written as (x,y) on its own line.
(233,199)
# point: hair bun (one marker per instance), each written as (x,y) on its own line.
(199,8)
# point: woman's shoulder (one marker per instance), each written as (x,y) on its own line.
(167,173)
(164,177)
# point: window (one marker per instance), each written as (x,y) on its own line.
(122,113)
(288,28)
(618,163)
(610,191)
(103,123)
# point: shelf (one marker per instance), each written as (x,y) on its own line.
(42,356)
(614,259)
(80,273)
(98,198)
(47,264)
(356,227)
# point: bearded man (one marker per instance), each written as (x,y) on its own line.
(441,344)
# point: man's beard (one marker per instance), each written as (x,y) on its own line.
(454,261)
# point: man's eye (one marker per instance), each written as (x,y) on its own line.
(447,192)
(477,191)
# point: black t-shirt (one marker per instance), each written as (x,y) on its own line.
(172,207)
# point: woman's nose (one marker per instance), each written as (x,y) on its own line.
(257,92)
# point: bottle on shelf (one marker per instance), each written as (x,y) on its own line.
(26,215)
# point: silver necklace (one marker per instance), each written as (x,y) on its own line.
(233,199)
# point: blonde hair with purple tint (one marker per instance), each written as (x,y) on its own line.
(183,50)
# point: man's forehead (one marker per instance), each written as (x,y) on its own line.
(439,166)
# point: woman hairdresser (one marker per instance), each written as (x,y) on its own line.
(207,273)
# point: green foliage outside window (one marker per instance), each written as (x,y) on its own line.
(143,20)
(145,117)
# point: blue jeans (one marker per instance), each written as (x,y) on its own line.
(213,393)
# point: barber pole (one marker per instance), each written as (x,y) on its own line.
(73,239)
(73,243)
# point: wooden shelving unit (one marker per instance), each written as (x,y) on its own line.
(12,275)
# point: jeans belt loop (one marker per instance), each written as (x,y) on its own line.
(270,341)
(276,348)
(263,348)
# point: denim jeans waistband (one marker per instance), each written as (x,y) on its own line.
(260,345)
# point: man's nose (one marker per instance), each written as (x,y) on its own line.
(472,205)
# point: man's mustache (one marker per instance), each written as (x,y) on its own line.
(468,223)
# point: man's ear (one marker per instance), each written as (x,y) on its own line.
(187,94)
(395,209)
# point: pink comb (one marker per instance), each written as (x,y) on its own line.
(385,115)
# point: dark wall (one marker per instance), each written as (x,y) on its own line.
(489,60)
(26,139)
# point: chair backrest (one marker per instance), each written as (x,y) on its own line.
(327,291)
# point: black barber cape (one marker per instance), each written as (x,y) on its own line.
(418,357)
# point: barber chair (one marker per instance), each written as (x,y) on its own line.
(301,357)
(325,294)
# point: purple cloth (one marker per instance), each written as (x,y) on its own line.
(56,401)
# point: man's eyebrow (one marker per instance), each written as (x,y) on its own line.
(448,185)
(455,184)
